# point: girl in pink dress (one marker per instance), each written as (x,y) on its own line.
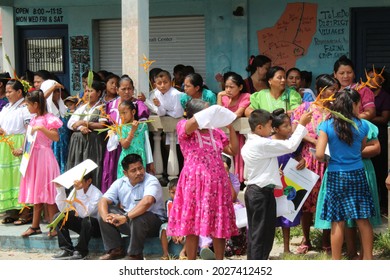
(203,201)
(236,101)
(36,186)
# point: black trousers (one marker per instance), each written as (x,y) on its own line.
(261,211)
(86,228)
(138,229)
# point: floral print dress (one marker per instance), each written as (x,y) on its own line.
(311,162)
(203,201)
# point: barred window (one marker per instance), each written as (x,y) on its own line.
(45,54)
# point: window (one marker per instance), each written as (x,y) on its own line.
(45,54)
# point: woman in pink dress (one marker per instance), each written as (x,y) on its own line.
(203,202)
(36,187)
(236,101)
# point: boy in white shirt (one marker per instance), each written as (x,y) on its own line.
(85,222)
(166,102)
(260,156)
(166,99)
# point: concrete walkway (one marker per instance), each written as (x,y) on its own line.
(42,247)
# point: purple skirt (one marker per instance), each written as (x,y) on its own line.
(110,167)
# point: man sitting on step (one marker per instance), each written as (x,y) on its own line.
(133,205)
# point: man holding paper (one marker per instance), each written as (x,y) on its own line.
(133,205)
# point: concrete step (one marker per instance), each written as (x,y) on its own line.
(10,239)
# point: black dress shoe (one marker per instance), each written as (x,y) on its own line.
(64,255)
(113,254)
(136,257)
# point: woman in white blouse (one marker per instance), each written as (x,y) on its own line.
(14,119)
(86,142)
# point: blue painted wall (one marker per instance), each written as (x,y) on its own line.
(230,40)
(77,15)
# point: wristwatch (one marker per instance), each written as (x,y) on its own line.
(127,217)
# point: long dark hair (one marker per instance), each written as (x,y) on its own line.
(16,85)
(257,61)
(325,80)
(37,96)
(130,105)
(271,73)
(343,60)
(196,80)
(235,78)
(278,117)
(343,104)
(125,78)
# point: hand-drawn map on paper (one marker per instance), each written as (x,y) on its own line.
(291,36)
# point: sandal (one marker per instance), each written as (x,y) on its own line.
(164,258)
(22,221)
(303,249)
(31,231)
(8,220)
(52,234)
(327,249)
(183,258)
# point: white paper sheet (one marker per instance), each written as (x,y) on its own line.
(299,183)
(27,148)
(215,116)
(241,217)
(67,179)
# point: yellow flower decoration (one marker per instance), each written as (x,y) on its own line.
(8,141)
(320,102)
(372,82)
(26,85)
(147,63)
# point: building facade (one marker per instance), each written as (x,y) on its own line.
(69,37)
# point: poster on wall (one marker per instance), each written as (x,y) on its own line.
(80,58)
(291,36)
(325,30)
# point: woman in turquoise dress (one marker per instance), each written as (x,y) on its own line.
(195,89)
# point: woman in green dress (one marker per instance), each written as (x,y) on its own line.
(14,119)
(276,95)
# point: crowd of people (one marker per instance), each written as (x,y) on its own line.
(107,123)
